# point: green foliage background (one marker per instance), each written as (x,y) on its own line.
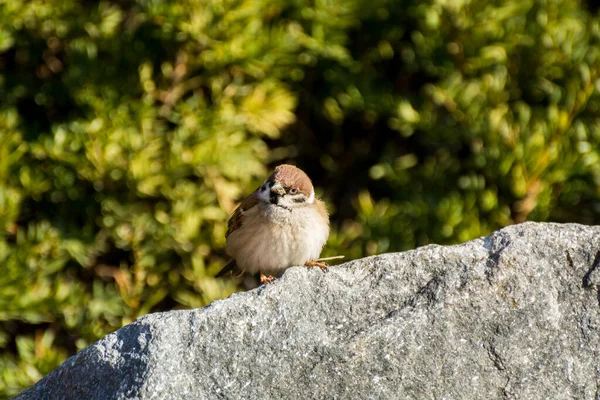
(130,129)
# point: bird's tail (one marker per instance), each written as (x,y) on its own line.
(231,266)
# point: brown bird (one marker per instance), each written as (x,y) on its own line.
(279,225)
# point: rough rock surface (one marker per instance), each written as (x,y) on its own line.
(512,315)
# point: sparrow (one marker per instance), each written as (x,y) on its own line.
(279,225)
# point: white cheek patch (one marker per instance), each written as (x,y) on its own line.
(311,198)
(263,194)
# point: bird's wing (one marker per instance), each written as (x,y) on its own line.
(235,221)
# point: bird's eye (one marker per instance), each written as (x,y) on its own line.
(293,191)
(263,187)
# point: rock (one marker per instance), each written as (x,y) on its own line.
(512,315)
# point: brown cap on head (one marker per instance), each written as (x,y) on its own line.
(289,176)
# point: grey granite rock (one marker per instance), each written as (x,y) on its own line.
(512,315)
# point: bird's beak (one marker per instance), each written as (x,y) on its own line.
(277,189)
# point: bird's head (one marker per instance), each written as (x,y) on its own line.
(287,187)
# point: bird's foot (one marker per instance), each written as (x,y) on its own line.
(266,279)
(324,266)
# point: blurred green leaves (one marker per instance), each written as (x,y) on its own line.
(130,130)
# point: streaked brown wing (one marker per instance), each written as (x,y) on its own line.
(235,221)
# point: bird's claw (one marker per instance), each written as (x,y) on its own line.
(323,265)
(266,279)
